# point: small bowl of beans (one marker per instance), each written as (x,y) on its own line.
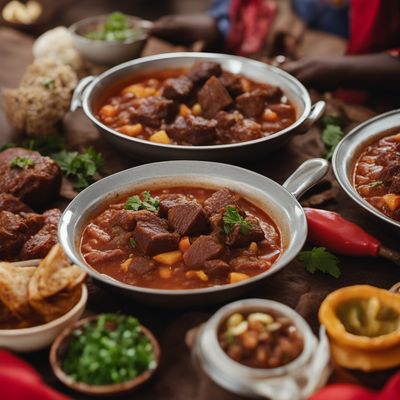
(257,347)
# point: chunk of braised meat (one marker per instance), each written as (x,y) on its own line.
(216,268)
(8,202)
(388,173)
(97,257)
(141,265)
(202,70)
(232,83)
(226,120)
(194,130)
(213,97)
(154,110)
(38,245)
(169,200)
(219,200)
(238,239)
(395,185)
(97,234)
(204,248)
(249,264)
(151,235)
(15,230)
(389,157)
(252,103)
(126,219)
(36,184)
(245,130)
(177,88)
(188,218)
(284,111)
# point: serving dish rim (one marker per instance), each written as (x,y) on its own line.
(71,246)
(194,56)
(345,152)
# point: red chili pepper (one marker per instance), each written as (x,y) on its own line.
(341,236)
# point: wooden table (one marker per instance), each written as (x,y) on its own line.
(177,378)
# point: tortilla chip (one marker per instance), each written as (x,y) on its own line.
(14,288)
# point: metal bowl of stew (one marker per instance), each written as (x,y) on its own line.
(92,92)
(279,202)
(349,150)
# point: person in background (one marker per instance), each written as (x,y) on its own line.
(334,43)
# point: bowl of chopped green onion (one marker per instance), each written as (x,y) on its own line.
(105,355)
(110,39)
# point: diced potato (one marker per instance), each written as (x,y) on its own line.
(125,264)
(131,130)
(269,115)
(165,272)
(253,247)
(149,91)
(140,91)
(197,274)
(184,244)
(184,110)
(169,258)
(235,277)
(196,109)
(108,111)
(234,319)
(392,201)
(160,137)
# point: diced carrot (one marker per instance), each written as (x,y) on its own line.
(184,244)
(108,111)
(237,277)
(125,264)
(131,130)
(169,258)
(165,272)
(197,274)
(160,137)
(392,201)
(184,110)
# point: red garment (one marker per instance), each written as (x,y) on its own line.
(374,26)
(250,22)
(19,381)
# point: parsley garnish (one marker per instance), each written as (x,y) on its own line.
(132,242)
(332,134)
(80,167)
(111,349)
(231,218)
(22,162)
(376,184)
(148,203)
(320,259)
(45,145)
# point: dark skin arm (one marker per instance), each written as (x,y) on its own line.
(187,29)
(376,72)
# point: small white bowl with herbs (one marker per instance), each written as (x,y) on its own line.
(110,39)
(105,355)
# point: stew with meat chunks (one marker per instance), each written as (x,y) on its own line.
(204,105)
(181,238)
(260,339)
(377,174)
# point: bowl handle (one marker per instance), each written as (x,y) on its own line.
(316,113)
(306,176)
(79,91)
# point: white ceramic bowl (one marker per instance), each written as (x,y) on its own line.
(41,336)
(108,53)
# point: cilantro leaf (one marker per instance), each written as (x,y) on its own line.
(148,203)
(132,242)
(319,259)
(45,145)
(22,162)
(80,167)
(332,134)
(331,120)
(231,218)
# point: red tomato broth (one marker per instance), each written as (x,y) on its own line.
(368,170)
(269,250)
(281,113)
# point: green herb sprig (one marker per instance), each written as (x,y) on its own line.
(22,162)
(111,349)
(376,184)
(231,218)
(332,134)
(319,259)
(148,203)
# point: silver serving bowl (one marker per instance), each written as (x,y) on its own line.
(92,92)
(276,200)
(350,148)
